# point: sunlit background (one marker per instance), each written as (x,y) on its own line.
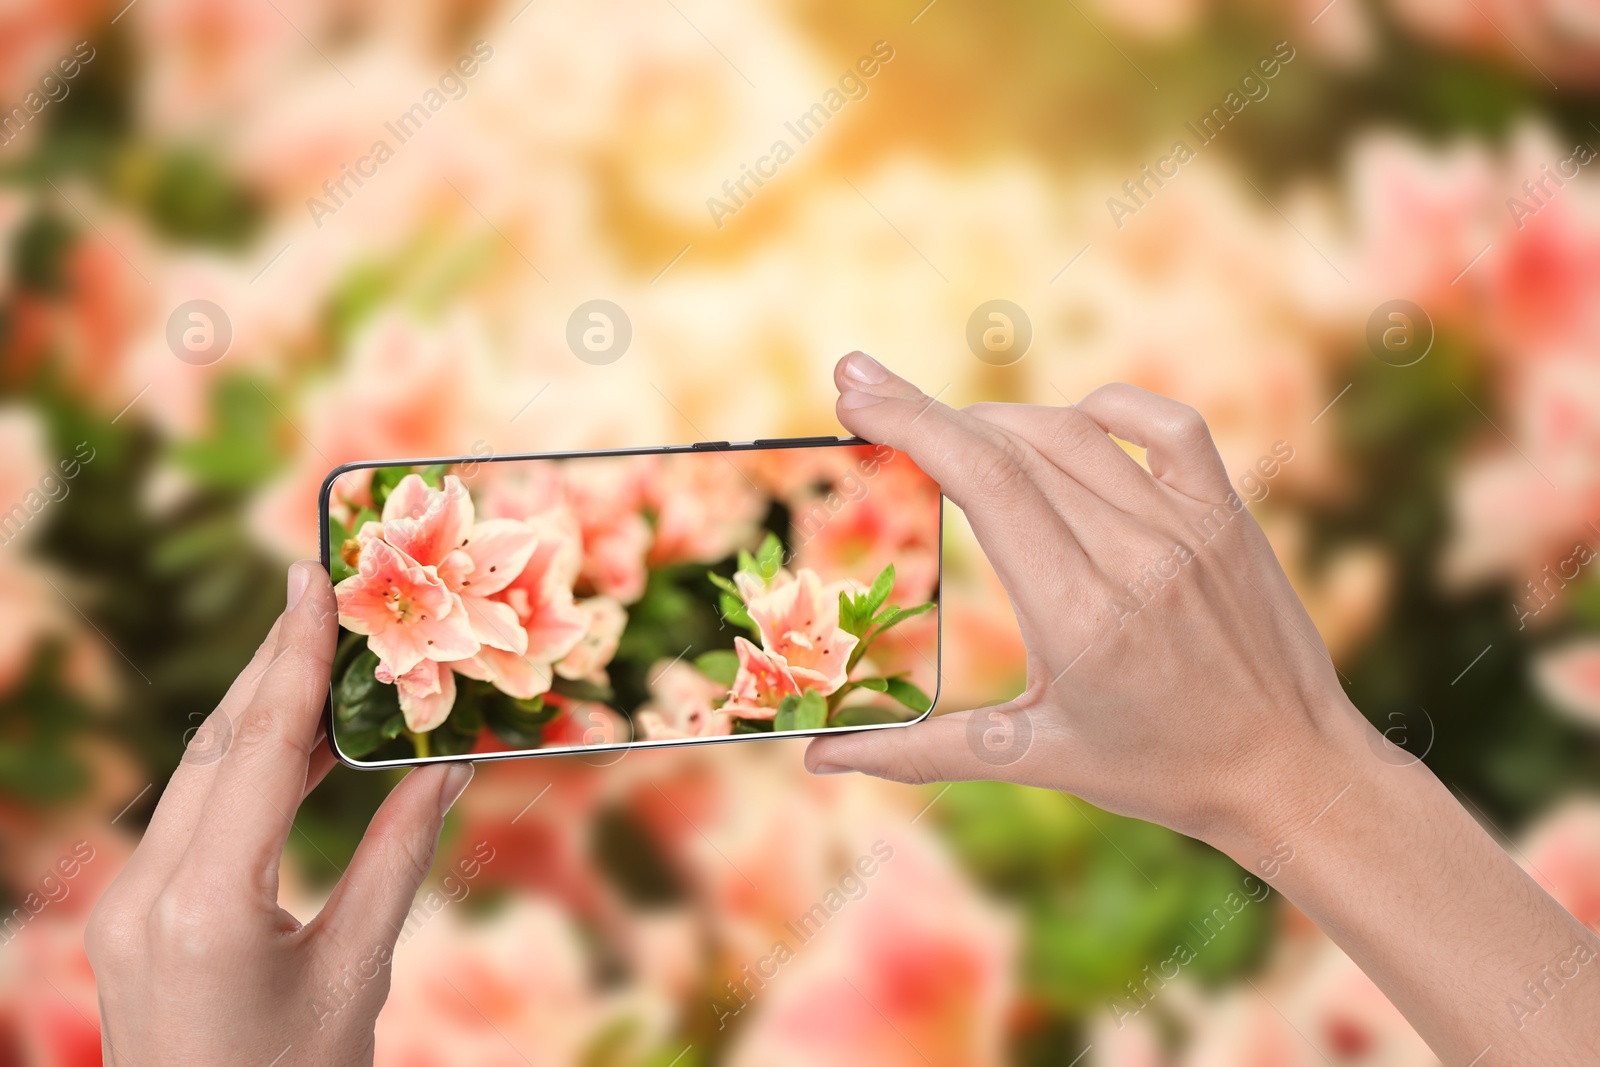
(1438,513)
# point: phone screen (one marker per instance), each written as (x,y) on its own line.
(519,605)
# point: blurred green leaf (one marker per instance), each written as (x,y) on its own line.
(908,694)
(719,665)
(384,479)
(808,711)
(242,449)
(519,723)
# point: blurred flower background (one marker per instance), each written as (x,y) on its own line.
(247,240)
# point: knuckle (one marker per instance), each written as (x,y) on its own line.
(112,934)
(1188,425)
(184,921)
(997,471)
(1072,431)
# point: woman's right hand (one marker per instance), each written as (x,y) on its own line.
(1174,676)
(1172,673)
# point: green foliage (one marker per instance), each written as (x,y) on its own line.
(908,694)
(384,479)
(720,665)
(245,445)
(767,561)
(519,723)
(806,712)
(363,707)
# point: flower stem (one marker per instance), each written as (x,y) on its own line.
(420,742)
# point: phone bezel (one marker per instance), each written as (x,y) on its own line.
(702,447)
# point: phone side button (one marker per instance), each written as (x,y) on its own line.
(709,446)
(793,442)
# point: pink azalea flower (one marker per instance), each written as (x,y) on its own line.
(761,684)
(542,611)
(681,705)
(799,622)
(427,693)
(474,559)
(588,658)
(404,609)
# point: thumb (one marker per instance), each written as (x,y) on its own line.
(369,905)
(984,743)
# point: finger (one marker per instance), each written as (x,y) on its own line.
(992,743)
(369,905)
(173,822)
(985,471)
(1177,444)
(322,761)
(248,813)
(1079,446)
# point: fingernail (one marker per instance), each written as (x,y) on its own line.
(831,768)
(854,399)
(863,368)
(455,783)
(298,580)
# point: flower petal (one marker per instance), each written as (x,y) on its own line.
(500,549)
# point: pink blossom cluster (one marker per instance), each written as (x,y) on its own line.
(802,650)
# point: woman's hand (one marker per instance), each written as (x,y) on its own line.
(1174,676)
(195,962)
(1172,673)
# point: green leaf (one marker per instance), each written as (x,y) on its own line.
(363,707)
(384,479)
(447,742)
(853,616)
(722,583)
(357,741)
(769,557)
(338,534)
(519,723)
(720,665)
(877,685)
(733,610)
(242,450)
(434,475)
(881,587)
(393,727)
(806,712)
(908,694)
(864,715)
(360,698)
(894,616)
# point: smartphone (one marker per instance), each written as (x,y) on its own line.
(596,602)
